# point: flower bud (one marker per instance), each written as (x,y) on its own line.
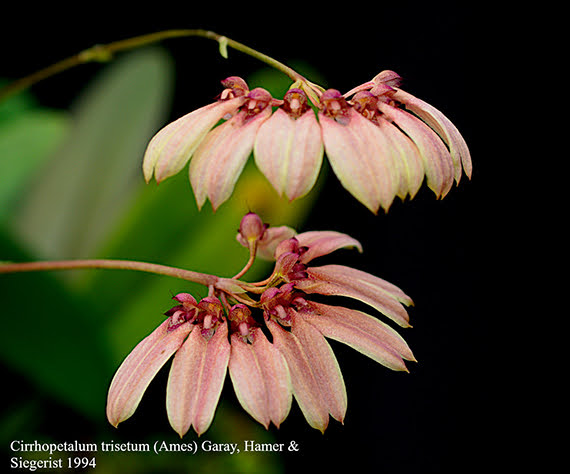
(252,227)
(251,231)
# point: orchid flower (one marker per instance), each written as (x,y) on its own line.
(380,141)
(270,336)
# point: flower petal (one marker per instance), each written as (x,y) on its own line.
(321,243)
(437,160)
(272,238)
(362,332)
(196,380)
(317,382)
(260,378)
(354,155)
(305,387)
(289,152)
(324,366)
(444,128)
(171,148)
(140,367)
(220,158)
(407,158)
(345,281)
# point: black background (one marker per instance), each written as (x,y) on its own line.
(452,412)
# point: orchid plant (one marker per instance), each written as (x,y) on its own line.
(271,335)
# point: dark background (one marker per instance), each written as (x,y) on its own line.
(451,413)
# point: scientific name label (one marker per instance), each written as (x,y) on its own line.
(36,455)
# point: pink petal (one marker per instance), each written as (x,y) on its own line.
(272,238)
(361,159)
(261,379)
(220,158)
(345,281)
(407,159)
(324,366)
(444,128)
(324,242)
(362,332)
(317,382)
(437,160)
(140,367)
(171,148)
(289,152)
(196,380)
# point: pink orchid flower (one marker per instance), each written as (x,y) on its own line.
(380,140)
(270,336)
(289,148)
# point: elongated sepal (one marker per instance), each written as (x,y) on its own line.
(196,379)
(140,367)
(317,382)
(171,148)
(437,161)
(345,281)
(362,159)
(445,129)
(289,152)
(221,157)
(260,378)
(321,243)
(362,332)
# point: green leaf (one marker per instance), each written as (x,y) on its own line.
(27,140)
(48,337)
(85,190)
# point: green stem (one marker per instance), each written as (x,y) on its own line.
(201,278)
(101,53)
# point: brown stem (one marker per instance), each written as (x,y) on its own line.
(104,52)
(188,275)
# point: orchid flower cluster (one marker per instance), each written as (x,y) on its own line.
(269,335)
(380,142)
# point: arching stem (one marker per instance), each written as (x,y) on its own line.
(200,278)
(104,52)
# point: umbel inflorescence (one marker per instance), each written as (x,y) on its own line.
(269,335)
(380,141)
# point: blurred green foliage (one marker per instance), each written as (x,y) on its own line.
(71,187)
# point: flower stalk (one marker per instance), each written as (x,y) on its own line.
(104,53)
(269,336)
(196,277)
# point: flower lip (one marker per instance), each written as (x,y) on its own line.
(258,100)
(335,106)
(234,87)
(366,103)
(295,102)
(241,321)
(182,313)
